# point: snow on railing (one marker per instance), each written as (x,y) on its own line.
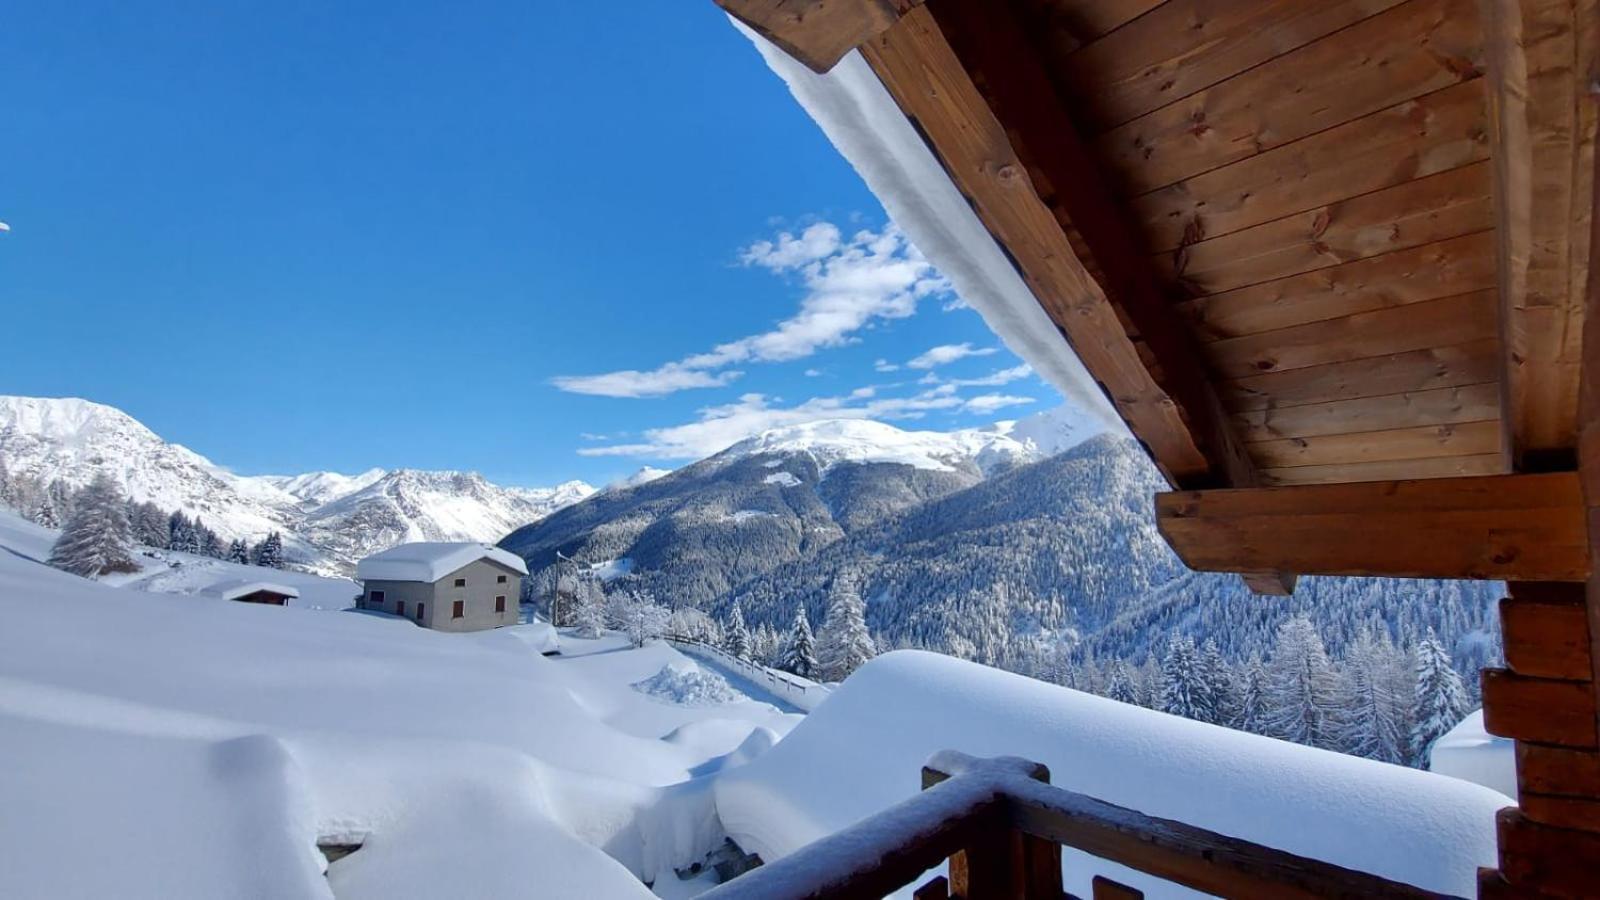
(801,692)
(1002,825)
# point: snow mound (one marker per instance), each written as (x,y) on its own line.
(1470,753)
(429,561)
(686,684)
(863,749)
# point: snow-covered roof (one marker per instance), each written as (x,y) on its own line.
(429,561)
(235,588)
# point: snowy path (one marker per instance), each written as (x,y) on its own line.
(740,682)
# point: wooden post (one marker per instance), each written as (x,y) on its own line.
(1003,862)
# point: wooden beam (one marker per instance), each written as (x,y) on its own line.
(1540,61)
(1547,637)
(970,77)
(1539,710)
(1520,527)
(818,33)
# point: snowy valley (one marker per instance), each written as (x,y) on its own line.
(247,737)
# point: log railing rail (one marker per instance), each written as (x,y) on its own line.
(1002,825)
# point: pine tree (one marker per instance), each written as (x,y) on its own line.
(844,644)
(8,489)
(44,514)
(1440,699)
(800,657)
(239,551)
(1375,727)
(96,538)
(1183,688)
(180,533)
(1302,690)
(1222,689)
(735,638)
(1251,713)
(1119,683)
(269,552)
(206,541)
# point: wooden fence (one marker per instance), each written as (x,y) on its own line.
(1002,825)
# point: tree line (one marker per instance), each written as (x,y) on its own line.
(100,527)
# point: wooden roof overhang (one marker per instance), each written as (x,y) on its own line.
(1328,260)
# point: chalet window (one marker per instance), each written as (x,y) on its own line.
(499,604)
(375,598)
(420,608)
(458,609)
(461,582)
(399,607)
(499,579)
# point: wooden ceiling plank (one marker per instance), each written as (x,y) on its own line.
(1183,46)
(1399,329)
(1434,133)
(1397,373)
(1413,442)
(1517,527)
(1066,25)
(1440,269)
(1388,470)
(1443,406)
(818,33)
(1447,205)
(1540,62)
(1413,49)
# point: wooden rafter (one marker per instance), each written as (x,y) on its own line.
(818,33)
(1541,56)
(960,69)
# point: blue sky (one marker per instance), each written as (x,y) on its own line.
(523,238)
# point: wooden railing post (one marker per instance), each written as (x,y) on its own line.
(1004,862)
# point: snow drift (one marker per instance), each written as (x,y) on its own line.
(863,750)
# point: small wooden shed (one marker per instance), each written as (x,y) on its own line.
(248,591)
(1330,263)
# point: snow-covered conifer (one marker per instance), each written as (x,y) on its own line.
(1303,701)
(1375,726)
(1119,683)
(269,552)
(800,656)
(735,637)
(844,644)
(239,551)
(1440,699)
(96,539)
(1251,712)
(1222,688)
(1183,687)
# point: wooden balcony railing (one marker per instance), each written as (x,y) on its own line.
(1002,826)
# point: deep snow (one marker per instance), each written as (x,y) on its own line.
(862,751)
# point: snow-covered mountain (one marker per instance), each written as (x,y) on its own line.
(328,519)
(412,505)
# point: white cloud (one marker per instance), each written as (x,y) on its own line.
(996,378)
(813,373)
(720,426)
(591,436)
(948,353)
(883,365)
(668,379)
(988,403)
(849,285)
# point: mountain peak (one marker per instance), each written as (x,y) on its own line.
(831,442)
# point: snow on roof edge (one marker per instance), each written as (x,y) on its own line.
(239,587)
(871,132)
(429,561)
